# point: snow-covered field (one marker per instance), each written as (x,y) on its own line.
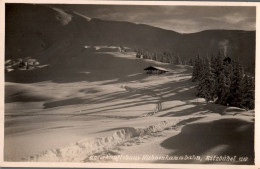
(120,114)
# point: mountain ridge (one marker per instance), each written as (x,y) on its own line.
(38,31)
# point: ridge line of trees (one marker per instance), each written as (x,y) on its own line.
(165,57)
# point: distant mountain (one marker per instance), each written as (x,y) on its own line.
(52,35)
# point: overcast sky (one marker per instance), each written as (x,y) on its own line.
(183,19)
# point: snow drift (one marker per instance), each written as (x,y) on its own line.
(81,150)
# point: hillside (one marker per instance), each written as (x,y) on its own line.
(53,36)
(113,110)
(74,96)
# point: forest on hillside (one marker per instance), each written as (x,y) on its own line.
(219,78)
(224,81)
(165,57)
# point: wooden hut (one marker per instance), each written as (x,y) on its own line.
(155,70)
(227,60)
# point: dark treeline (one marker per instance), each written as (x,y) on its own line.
(223,81)
(219,79)
(165,57)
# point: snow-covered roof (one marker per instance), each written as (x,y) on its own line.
(156,68)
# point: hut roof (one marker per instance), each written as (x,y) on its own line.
(156,68)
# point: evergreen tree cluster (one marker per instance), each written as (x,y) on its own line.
(165,57)
(223,81)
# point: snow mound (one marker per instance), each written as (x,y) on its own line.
(82,150)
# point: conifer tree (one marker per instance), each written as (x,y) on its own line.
(213,62)
(248,93)
(236,85)
(224,88)
(223,83)
(218,68)
(206,82)
(191,62)
(196,69)
(200,76)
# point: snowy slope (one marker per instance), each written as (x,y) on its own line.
(117,112)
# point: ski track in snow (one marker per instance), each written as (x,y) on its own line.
(81,150)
